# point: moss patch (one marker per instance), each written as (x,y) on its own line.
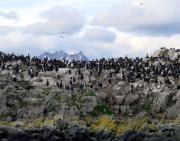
(105,123)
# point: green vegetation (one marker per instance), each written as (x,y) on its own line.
(4,116)
(46,92)
(90,93)
(102,108)
(148,106)
(94,113)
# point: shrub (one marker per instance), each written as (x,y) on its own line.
(90,93)
(104,109)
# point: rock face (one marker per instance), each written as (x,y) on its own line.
(160,53)
(89,103)
(65,132)
(75,133)
(174,111)
(172,53)
(32,98)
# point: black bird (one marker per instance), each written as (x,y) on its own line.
(47,82)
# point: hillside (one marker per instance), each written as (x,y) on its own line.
(105,97)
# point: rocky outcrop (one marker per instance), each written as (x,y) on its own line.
(65,132)
(27,99)
(164,52)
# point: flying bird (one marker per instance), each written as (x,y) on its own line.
(62,34)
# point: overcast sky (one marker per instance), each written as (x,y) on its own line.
(99,28)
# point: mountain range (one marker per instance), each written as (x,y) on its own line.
(60,55)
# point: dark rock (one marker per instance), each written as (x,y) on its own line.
(167,130)
(19,137)
(54,138)
(3,134)
(9,130)
(134,136)
(47,132)
(93,139)
(36,137)
(171,139)
(155,139)
(4,140)
(61,125)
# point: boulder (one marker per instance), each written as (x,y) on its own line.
(131,98)
(119,99)
(89,103)
(160,101)
(32,101)
(161,52)
(119,86)
(124,109)
(174,111)
(10,130)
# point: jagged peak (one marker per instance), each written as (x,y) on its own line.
(81,53)
(62,54)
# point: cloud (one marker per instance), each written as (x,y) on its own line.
(100,35)
(57,20)
(124,44)
(155,17)
(8,29)
(26,44)
(137,29)
(12,15)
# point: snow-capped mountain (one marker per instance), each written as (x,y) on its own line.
(78,57)
(60,55)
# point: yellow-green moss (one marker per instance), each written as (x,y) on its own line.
(176,121)
(137,125)
(152,127)
(171,121)
(88,120)
(103,123)
(108,124)
(11,124)
(40,122)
